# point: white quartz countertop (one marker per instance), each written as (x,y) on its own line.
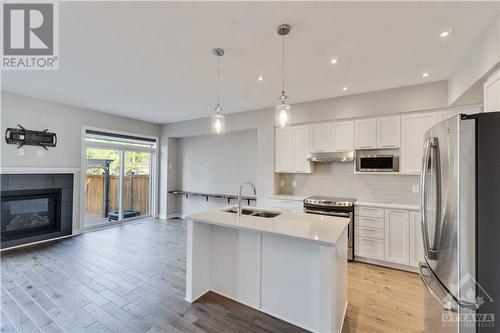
(387,205)
(288,197)
(316,228)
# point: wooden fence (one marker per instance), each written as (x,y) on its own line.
(94,194)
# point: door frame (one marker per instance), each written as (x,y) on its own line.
(154,160)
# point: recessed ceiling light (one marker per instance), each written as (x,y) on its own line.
(334,60)
(260,78)
(446,33)
(426,74)
(344,88)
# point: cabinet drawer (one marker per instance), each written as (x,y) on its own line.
(369,222)
(286,205)
(369,247)
(369,232)
(370,212)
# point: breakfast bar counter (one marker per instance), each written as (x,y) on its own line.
(290,265)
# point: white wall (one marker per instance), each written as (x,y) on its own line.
(428,96)
(261,121)
(66,121)
(214,164)
(481,60)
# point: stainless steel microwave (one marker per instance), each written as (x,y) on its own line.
(377,163)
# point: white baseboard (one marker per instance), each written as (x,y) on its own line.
(387,264)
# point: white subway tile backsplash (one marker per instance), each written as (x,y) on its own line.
(339,180)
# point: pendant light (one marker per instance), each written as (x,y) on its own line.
(218,120)
(283,109)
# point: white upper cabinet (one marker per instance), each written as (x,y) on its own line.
(443,115)
(283,150)
(365,133)
(491,93)
(388,132)
(413,128)
(416,242)
(397,235)
(448,113)
(321,137)
(301,145)
(343,135)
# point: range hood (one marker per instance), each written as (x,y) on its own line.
(326,157)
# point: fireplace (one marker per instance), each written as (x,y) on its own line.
(36,207)
(30,212)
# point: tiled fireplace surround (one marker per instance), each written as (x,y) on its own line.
(63,182)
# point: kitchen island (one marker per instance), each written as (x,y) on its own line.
(292,266)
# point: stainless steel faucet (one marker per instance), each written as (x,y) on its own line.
(239,194)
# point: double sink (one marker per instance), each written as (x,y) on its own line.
(252,212)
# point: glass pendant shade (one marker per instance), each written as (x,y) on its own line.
(283,115)
(218,124)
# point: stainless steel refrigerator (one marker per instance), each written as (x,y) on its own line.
(460,209)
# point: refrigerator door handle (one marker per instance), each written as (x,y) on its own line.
(423,191)
(468,305)
(446,306)
(430,250)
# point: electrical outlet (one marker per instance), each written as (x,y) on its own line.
(39,153)
(20,152)
(294,183)
(416,188)
(282,183)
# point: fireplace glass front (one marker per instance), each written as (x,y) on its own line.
(30,212)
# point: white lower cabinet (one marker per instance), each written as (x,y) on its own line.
(416,242)
(390,236)
(397,236)
(369,247)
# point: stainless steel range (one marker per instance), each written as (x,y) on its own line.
(340,207)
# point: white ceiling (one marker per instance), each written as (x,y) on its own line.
(153,60)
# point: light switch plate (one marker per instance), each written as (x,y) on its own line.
(39,153)
(282,183)
(416,188)
(294,183)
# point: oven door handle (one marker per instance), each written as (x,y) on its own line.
(322,212)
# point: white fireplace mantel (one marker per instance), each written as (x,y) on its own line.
(34,170)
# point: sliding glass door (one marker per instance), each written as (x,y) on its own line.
(118,180)
(102,186)
(136,186)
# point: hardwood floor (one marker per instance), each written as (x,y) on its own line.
(132,279)
(383,300)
